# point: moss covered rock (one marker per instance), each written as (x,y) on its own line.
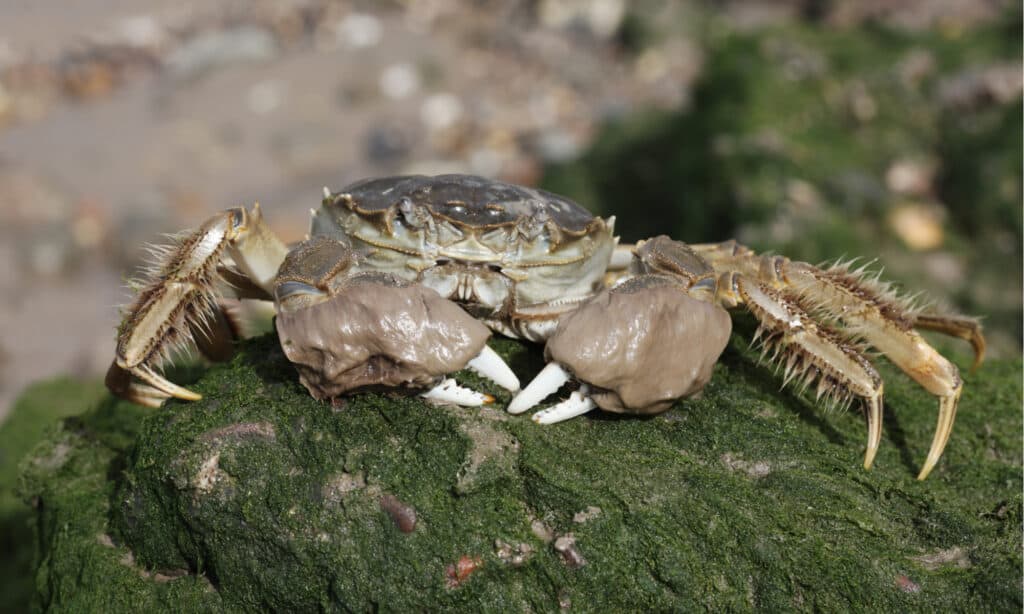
(259,497)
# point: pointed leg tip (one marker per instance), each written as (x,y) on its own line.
(976,365)
(869,458)
(947,416)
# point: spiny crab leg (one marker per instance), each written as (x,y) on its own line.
(812,351)
(449,391)
(488,364)
(869,310)
(578,403)
(179,300)
(966,328)
(884,323)
(549,380)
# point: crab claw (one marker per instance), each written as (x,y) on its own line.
(488,364)
(346,330)
(449,391)
(578,403)
(550,379)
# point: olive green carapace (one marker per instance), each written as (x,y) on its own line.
(260,497)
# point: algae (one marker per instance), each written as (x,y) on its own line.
(788,138)
(259,497)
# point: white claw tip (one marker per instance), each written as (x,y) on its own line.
(547,382)
(488,364)
(577,404)
(327,192)
(449,391)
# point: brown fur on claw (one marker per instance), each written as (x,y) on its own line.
(642,344)
(378,332)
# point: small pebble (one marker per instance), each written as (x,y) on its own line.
(359,31)
(403,515)
(399,81)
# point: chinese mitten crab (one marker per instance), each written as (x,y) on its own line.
(402,279)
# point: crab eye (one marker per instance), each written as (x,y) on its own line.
(238,218)
(408,213)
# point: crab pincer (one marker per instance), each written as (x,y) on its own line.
(347,330)
(636,348)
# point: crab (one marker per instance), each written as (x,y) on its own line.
(401,281)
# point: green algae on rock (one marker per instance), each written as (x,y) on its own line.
(259,497)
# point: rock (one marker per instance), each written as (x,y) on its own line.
(599,17)
(919,225)
(399,81)
(308,506)
(211,50)
(441,111)
(358,30)
(387,143)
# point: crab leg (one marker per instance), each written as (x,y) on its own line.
(811,351)
(180,299)
(966,328)
(869,312)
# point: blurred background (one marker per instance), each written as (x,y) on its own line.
(813,128)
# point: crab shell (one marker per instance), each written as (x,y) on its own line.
(506,253)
